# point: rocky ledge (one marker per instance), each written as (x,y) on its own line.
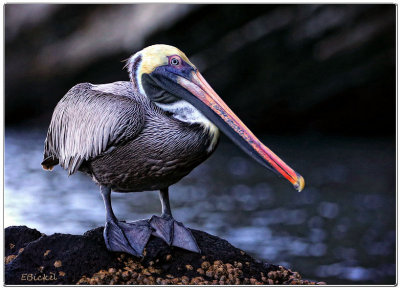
(32,257)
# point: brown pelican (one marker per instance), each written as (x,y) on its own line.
(147,134)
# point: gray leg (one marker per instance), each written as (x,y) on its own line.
(106,194)
(129,237)
(171,231)
(164,198)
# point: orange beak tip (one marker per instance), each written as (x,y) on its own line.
(299,185)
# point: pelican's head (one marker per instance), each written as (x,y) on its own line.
(165,59)
(166,76)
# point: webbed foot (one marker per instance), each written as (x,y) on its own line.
(174,233)
(129,237)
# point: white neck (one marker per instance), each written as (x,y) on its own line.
(186,112)
(134,65)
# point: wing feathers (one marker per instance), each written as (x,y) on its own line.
(86,122)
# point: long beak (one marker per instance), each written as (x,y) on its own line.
(235,129)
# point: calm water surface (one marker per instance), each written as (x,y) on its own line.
(340,229)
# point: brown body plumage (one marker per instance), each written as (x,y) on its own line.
(154,152)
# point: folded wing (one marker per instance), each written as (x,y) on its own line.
(90,120)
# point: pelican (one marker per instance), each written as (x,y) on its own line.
(146,134)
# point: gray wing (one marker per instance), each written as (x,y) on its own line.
(89,120)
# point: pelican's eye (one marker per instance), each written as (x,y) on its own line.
(174,61)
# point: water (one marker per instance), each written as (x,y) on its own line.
(340,229)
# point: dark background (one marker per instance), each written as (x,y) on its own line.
(284,69)
(316,83)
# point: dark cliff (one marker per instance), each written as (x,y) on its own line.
(302,64)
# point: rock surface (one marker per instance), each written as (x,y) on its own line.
(36,258)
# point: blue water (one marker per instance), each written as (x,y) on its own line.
(340,229)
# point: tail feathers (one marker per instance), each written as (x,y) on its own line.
(73,164)
(49,163)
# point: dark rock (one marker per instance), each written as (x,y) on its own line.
(18,237)
(78,255)
(67,259)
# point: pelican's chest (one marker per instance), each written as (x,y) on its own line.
(165,151)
